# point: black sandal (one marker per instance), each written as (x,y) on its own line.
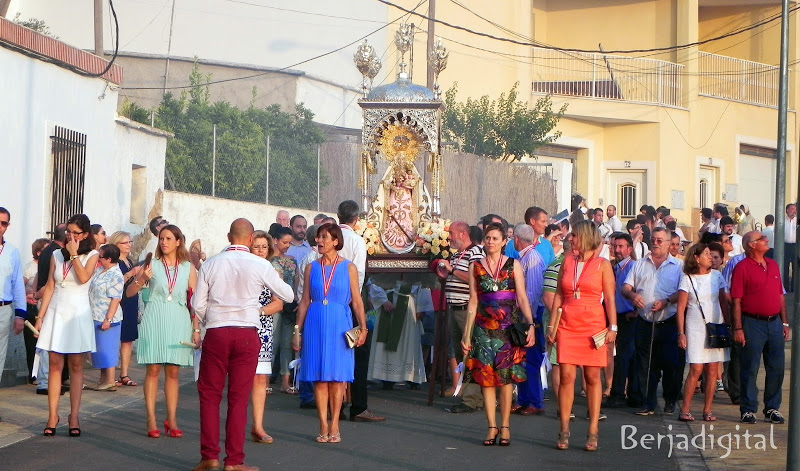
(491,441)
(51,431)
(505,441)
(74,431)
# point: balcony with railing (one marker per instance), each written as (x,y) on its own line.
(601,76)
(738,80)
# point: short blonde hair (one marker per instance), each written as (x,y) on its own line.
(588,237)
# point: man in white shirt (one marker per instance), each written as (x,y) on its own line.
(789,246)
(13,307)
(355,250)
(728,228)
(613,220)
(226,303)
(769,233)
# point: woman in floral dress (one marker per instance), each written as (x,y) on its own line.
(492,360)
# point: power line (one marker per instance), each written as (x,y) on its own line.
(587,51)
(304,12)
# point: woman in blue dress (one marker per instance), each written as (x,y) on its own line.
(324,316)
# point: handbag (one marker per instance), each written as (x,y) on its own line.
(518,334)
(717,335)
(351,336)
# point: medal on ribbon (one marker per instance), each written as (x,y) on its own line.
(326,282)
(171,280)
(65,269)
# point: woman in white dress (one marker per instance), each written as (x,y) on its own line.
(263,247)
(701,294)
(65,321)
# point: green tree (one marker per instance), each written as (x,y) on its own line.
(505,129)
(241,152)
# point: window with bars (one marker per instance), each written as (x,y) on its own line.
(704,193)
(627,200)
(69,174)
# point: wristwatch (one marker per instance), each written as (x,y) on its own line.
(73,257)
(612,327)
(441,265)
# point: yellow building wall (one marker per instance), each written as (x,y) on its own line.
(760,43)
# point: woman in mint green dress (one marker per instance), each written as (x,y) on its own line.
(165,324)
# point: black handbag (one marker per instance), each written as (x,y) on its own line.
(518,333)
(717,335)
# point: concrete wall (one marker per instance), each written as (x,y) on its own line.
(208,219)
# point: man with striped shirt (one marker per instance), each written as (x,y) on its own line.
(456,290)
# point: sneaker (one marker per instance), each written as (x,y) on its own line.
(748,418)
(645,411)
(720,386)
(601,417)
(773,416)
(669,408)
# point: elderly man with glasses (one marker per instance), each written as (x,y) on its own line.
(652,287)
(760,327)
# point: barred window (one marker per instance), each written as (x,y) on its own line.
(627,199)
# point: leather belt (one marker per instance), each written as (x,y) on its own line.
(761,318)
(5,303)
(458,307)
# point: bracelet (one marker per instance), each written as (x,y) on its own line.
(549,326)
(681,333)
(785,324)
(196,331)
(106,320)
(136,282)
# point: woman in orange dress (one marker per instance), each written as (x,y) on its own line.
(584,282)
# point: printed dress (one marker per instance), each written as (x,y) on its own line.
(493,361)
(265,333)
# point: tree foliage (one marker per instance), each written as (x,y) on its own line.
(505,129)
(35,24)
(240,168)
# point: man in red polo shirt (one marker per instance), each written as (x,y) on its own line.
(760,327)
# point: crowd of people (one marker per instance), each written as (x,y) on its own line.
(581,295)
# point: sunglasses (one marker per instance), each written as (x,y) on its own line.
(75,233)
(4,223)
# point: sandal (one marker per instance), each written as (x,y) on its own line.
(505,441)
(51,431)
(322,438)
(710,417)
(335,438)
(591,442)
(126,381)
(563,440)
(687,417)
(491,441)
(269,391)
(291,390)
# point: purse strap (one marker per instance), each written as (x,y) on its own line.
(691,282)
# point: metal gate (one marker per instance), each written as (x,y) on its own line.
(69,174)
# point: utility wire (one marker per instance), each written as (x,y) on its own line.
(305,12)
(587,51)
(233,79)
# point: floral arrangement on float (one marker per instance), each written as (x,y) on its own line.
(371,236)
(433,239)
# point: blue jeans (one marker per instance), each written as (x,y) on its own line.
(761,338)
(530,392)
(624,371)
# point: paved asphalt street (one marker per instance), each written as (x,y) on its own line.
(415,437)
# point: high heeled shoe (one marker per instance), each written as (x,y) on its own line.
(155,433)
(563,440)
(172,432)
(51,431)
(505,441)
(73,431)
(491,441)
(591,442)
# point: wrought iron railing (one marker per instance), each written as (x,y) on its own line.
(630,79)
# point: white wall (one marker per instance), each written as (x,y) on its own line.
(331,104)
(37,96)
(209,219)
